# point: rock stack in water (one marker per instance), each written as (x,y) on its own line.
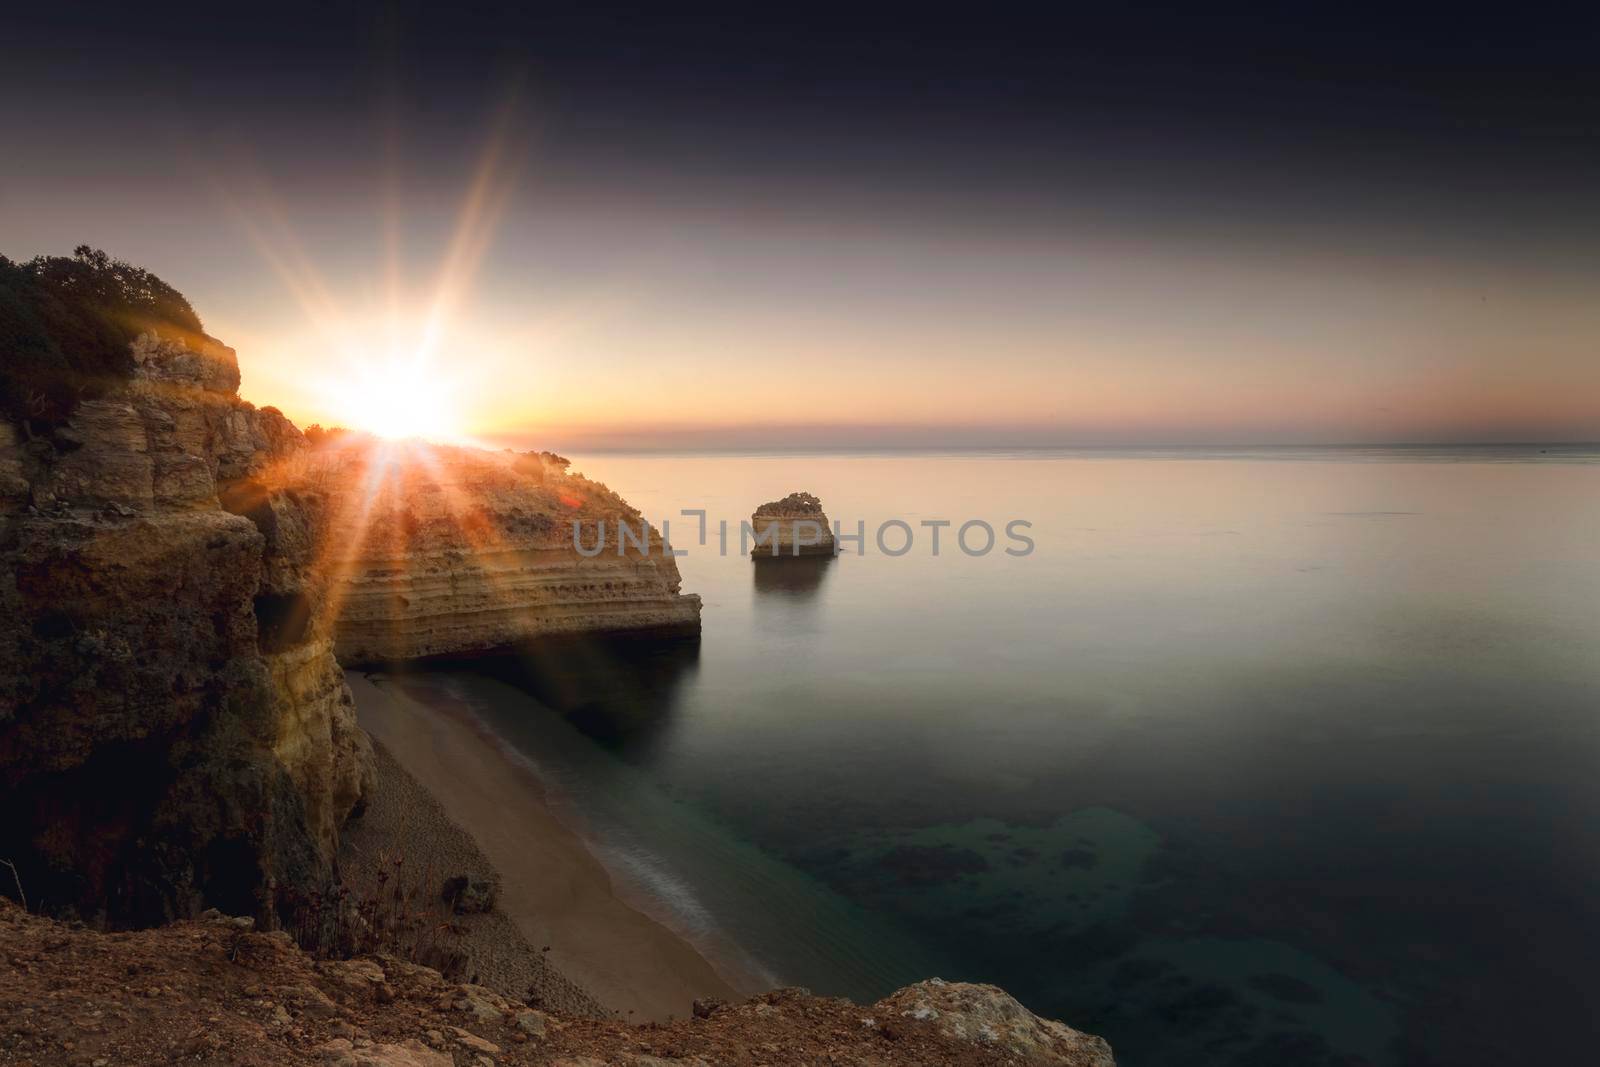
(793,526)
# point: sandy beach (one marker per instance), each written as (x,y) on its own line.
(554,891)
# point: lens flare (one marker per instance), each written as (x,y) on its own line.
(393,371)
(398,400)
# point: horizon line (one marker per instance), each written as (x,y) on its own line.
(801,449)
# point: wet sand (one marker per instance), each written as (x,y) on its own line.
(553,889)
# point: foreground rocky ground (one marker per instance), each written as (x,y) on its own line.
(215,992)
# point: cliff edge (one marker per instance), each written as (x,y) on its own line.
(168,738)
(215,992)
(177,571)
(437,550)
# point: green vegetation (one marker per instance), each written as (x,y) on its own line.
(65,327)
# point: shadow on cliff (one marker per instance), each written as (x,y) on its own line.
(620,690)
(135,837)
(795,578)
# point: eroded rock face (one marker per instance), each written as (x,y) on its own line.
(162,745)
(793,526)
(180,569)
(213,367)
(442,550)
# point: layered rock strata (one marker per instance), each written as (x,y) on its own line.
(440,550)
(164,742)
(176,567)
(793,526)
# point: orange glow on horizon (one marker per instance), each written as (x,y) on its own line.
(393,369)
(649,350)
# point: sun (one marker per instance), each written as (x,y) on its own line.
(397,363)
(396,399)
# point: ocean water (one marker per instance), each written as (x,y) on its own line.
(1260,757)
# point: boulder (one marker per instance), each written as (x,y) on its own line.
(988,1016)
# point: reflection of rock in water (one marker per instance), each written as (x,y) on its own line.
(798,577)
(620,690)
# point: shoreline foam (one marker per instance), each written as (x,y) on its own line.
(553,888)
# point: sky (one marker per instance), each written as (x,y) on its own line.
(824,227)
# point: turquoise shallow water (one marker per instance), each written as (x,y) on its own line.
(1261,757)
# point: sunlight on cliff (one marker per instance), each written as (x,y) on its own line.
(386,498)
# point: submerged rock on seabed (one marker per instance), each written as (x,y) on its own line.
(793,526)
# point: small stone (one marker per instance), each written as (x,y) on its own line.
(470,893)
(484,1005)
(474,1042)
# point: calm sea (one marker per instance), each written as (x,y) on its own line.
(1261,757)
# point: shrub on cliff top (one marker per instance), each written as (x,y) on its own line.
(316,436)
(65,326)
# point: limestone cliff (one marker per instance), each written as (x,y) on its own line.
(439,550)
(162,744)
(793,526)
(176,567)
